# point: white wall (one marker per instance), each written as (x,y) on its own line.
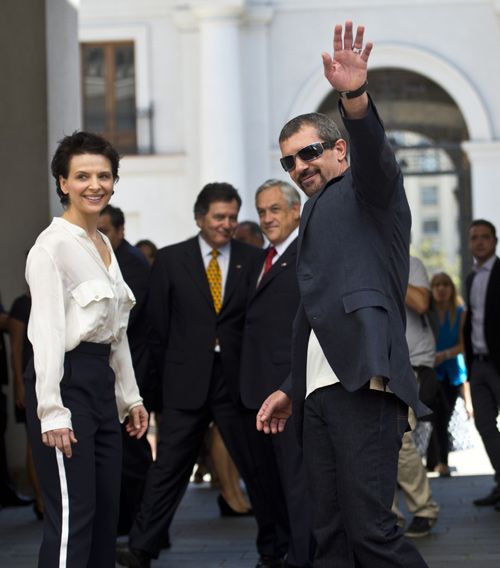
(63,79)
(455,43)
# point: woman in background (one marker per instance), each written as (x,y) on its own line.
(81,382)
(448,319)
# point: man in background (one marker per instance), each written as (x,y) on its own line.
(249,232)
(482,344)
(135,269)
(412,475)
(266,362)
(199,293)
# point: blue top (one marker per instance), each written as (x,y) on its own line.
(447,338)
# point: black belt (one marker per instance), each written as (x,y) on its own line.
(483,357)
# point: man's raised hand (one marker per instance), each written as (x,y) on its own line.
(347,70)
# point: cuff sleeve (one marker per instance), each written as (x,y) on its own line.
(46,331)
(126,389)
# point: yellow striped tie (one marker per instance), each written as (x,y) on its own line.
(214,276)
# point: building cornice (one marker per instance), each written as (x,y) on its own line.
(480,151)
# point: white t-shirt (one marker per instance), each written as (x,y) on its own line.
(419,336)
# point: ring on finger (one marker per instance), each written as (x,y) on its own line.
(357,50)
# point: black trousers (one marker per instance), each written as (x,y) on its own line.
(351,447)
(281,467)
(181,436)
(5,480)
(439,441)
(137,459)
(80,494)
(485,393)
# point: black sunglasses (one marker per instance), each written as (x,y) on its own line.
(306,154)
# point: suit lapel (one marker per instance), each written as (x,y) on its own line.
(306,215)
(309,206)
(284,262)
(492,284)
(196,268)
(468,286)
(235,269)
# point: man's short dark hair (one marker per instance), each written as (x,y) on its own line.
(484,223)
(212,192)
(326,127)
(115,214)
(150,244)
(253,227)
(76,144)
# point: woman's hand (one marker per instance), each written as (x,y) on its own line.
(137,421)
(62,438)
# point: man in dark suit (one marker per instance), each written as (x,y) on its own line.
(266,358)
(352,381)
(135,269)
(199,290)
(482,343)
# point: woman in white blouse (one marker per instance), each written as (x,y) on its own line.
(82,383)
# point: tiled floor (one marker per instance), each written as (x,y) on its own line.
(464,537)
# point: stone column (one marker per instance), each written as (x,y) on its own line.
(484,158)
(222,152)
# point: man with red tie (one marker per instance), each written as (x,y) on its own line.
(199,291)
(265,362)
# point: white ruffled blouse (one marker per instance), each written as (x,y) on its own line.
(76,298)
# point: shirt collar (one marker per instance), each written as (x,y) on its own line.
(71,227)
(281,248)
(488,265)
(206,249)
(78,231)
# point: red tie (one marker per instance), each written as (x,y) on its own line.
(271,253)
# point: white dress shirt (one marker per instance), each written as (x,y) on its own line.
(478,302)
(222,259)
(280,249)
(75,298)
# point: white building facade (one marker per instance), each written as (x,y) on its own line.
(223,76)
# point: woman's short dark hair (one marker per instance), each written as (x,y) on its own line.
(74,145)
(212,192)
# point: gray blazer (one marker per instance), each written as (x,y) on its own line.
(352,270)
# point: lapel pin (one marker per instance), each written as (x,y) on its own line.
(283,264)
(238,267)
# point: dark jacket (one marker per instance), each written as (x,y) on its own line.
(136,273)
(491,317)
(352,270)
(267,340)
(186,324)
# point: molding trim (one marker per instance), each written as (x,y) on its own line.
(482,151)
